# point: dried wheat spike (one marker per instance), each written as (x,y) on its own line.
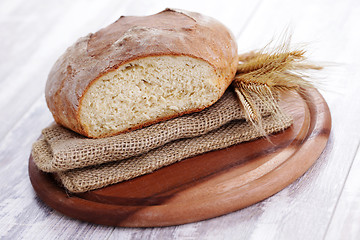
(264,74)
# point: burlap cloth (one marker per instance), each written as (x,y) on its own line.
(83,164)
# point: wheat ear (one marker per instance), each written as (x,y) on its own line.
(264,74)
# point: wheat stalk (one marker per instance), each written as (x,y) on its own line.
(263,74)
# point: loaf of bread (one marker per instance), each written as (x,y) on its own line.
(141,70)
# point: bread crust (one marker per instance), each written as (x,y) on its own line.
(170,32)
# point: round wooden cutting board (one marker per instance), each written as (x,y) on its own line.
(205,186)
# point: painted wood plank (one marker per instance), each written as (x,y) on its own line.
(345,222)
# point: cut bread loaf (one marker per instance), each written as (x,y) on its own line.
(141,70)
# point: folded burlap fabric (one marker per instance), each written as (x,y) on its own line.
(84,164)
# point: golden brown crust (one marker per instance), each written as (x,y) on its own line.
(170,32)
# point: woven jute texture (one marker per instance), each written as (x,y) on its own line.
(84,164)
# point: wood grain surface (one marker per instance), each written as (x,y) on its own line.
(322,204)
(205,186)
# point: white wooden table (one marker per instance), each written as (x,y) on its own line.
(324,203)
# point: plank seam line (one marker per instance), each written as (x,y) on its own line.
(112,231)
(342,189)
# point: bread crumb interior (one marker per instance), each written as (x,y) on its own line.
(147,89)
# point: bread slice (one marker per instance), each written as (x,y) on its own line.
(141,70)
